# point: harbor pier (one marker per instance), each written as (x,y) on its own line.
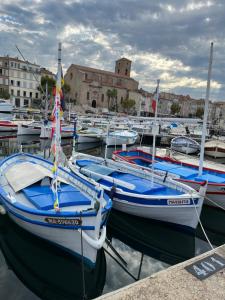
(202,277)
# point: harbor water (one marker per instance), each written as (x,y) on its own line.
(31,268)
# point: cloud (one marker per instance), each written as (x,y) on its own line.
(168,40)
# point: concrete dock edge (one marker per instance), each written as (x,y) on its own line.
(176,283)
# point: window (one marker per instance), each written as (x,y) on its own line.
(12,92)
(25,102)
(126,72)
(11,64)
(18,83)
(24,93)
(36,95)
(103,97)
(18,93)
(12,82)
(31,95)
(0,71)
(118,71)
(6,64)
(121,100)
(71,76)
(88,95)
(17,102)
(86,76)
(15,65)
(18,66)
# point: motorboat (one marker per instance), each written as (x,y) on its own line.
(120,137)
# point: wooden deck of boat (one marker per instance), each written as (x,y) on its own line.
(178,283)
(190,159)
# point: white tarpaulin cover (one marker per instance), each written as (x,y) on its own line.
(22,175)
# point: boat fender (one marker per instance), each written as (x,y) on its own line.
(203,188)
(112,192)
(97,244)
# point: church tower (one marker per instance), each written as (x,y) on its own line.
(123,67)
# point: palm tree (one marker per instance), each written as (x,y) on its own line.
(112,94)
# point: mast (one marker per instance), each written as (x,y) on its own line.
(206,109)
(56,146)
(154,127)
(46,101)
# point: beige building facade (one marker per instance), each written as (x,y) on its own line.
(89,86)
(21,79)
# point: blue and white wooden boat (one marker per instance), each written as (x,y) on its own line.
(138,193)
(186,173)
(185,144)
(26,195)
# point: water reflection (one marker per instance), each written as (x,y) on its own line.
(51,273)
(46,270)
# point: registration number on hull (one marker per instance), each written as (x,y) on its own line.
(178,202)
(63,221)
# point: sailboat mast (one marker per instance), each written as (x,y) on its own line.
(57,133)
(206,110)
(154,126)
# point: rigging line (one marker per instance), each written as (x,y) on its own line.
(109,244)
(140,267)
(203,230)
(82,261)
(120,264)
(216,204)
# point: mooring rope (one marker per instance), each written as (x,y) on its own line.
(216,204)
(203,230)
(82,261)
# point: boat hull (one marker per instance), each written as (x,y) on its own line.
(184,149)
(215,193)
(28,130)
(215,152)
(87,139)
(182,215)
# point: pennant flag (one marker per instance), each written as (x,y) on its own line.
(154,101)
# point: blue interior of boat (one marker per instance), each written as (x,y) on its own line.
(184,172)
(141,185)
(42,196)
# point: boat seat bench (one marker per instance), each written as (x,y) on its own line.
(42,196)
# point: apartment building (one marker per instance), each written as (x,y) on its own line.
(21,79)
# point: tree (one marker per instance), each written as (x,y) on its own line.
(128,104)
(4,94)
(112,95)
(175,108)
(199,112)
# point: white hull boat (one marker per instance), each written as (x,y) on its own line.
(215,148)
(90,135)
(5,106)
(34,128)
(134,192)
(27,197)
(8,126)
(46,132)
(185,145)
(185,172)
(121,137)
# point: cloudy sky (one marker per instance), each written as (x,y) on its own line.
(164,39)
